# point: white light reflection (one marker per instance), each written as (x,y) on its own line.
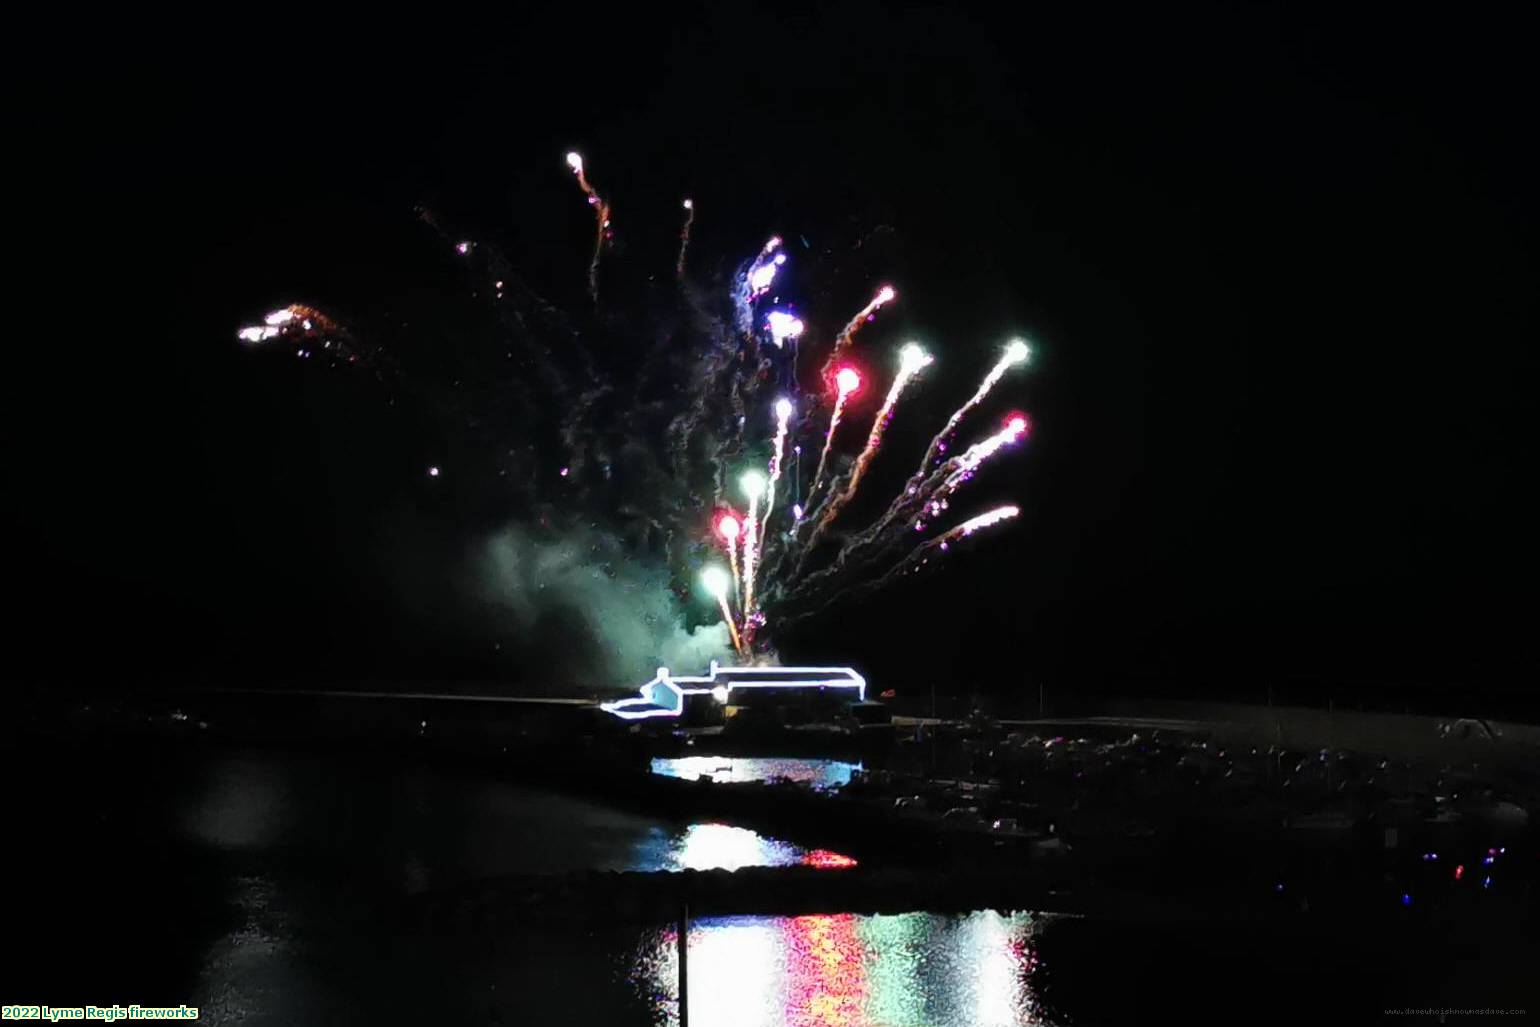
(906,970)
(721,847)
(819,774)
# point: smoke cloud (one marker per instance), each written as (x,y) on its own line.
(614,608)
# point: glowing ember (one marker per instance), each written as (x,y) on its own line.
(715,581)
(783,326)
(753,484)
(761,277)
(823,859)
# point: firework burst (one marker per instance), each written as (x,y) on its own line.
(652,423)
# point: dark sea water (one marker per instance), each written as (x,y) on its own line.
(263,887)
(417,828)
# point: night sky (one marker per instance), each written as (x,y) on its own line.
(1279,268)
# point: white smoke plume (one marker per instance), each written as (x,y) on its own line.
(613,606)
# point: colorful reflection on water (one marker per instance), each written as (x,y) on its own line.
(847,970)
(821,775)
(723,847)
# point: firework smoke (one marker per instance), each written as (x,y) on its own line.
(591,584)
(976,454)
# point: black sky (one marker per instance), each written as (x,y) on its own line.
(1280,266)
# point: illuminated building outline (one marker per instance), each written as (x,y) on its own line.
(663,696)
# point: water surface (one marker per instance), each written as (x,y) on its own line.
(820,774)
(904,970)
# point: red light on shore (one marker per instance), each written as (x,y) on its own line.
(823,859)
(728,528)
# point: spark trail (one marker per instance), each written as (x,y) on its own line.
(847,380)
(715,581)
(783,412)
(753,484)
(912,360)
(885,295)
(729,528)
(977,453)
(684,237)
(601,221)
(1016,352)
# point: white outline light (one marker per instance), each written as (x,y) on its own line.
(663,696)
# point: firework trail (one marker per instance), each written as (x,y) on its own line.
(684,237)
(753,484)
(847,380)
(755,281)
(879,544)
(847,335)
(1016,352)
(729,528)
(312,335)
(783,412)
(977,453)
(601,220)
(943,541)
(912,360)
(762,272)
(919,559)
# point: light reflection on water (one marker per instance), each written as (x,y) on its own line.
(822,775)
(418,828)
(722,847)
(847,970)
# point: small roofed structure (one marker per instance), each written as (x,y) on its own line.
(670,695)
